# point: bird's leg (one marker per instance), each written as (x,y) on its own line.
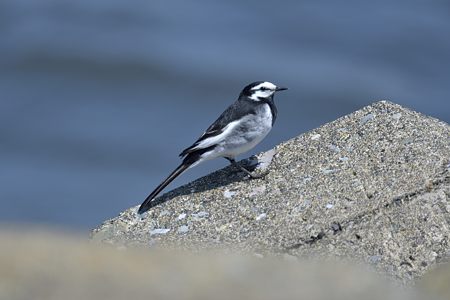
(252,176)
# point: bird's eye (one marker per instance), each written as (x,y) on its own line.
(263,88)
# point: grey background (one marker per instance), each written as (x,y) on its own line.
(97,98)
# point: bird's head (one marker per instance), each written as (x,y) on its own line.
(261,90)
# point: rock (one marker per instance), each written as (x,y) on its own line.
(389,197)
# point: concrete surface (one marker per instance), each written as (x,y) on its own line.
(372,186)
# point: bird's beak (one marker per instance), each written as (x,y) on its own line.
(279,88)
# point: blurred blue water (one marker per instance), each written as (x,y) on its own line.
(99,97)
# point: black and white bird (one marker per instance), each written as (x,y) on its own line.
(239,128)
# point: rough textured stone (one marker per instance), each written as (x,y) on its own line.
(371,186)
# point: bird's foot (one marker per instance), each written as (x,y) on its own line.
(253,175)
(258,176)
(249,173)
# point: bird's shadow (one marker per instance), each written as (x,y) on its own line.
(222,177)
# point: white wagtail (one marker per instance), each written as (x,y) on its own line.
(239,128)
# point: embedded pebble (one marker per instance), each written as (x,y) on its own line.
(181,216)
(261,216)
(334,148)
(329,171)
(397,116)
(407,141)
(183,229)
(223,227)
(228,194)
(306,179)
(344,158)
(315,137)
(200,215)
(366,118)
(159,231)
(329,205)
(302,206)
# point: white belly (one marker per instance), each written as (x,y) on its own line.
(244,135)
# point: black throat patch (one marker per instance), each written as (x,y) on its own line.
(273,108)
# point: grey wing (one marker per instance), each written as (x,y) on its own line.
(232,113)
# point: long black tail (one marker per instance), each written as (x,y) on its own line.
(147,204)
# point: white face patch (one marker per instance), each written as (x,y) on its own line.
(263,90)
